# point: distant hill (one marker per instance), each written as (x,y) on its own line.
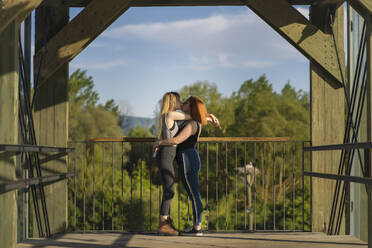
(129,122)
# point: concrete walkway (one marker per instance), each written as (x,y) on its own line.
(256,240)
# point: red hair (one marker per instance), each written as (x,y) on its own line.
(198,111)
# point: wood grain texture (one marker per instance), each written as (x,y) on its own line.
(363,7)
(8,131)
(15,10)
(51,112)
(154,3)
(327,127)
(233,240)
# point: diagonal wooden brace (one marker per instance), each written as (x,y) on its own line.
(302,34)
(77,35)
(364,7)
(11,10)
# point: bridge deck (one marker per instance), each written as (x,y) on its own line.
(257,240)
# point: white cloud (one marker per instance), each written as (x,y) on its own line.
(100,66)
(256,64)
(239,39)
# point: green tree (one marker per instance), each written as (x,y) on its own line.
(216,104)
(88,119)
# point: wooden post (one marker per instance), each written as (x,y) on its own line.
(369,124)
(249,189)
(327,127)
(51,113)
(8,131)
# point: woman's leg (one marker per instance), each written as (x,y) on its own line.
(165,162)
(166,158)
(189,162)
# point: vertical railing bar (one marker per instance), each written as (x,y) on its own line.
(141,165)
(245,186)
(75,188)
(216,186)
(236,188)
(131,185)
(150,192)
(274,186)
(226,186)
(159,199)
(68,186)
(311,191)
(207,187)
(264,181)
(293,188)
(303,187)
(103,186)
(283,183)
(27,208)
(122,185)
(255,195)
(94,188)
(84,181)
(112,184)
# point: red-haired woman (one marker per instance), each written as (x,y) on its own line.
(188,158)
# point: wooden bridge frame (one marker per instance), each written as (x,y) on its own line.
(58,41)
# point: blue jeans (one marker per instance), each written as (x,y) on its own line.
(189,163)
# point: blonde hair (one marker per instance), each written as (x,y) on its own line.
(168,104)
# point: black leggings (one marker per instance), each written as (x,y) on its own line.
(165,158)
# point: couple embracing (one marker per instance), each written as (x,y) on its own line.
(180,126)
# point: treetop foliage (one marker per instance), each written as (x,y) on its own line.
(255,109)
(87,118)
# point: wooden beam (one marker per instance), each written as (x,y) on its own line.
(77,34)
(51,113)
(336,3)
(363,7)
(279,14)
(169,3)
(302,34)
(11,10)
(367,4)
(327,127)
(9,104)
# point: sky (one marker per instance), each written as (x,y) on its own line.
(149,51)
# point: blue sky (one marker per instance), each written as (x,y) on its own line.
(149,51)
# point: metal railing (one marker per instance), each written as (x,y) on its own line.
(118,186)
(31,181)
(341,176)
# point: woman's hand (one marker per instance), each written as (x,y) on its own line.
(156,146)
(214,121)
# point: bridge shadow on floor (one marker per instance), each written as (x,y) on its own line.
(216,240)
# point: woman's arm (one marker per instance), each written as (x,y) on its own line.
(186,132)
(178,116)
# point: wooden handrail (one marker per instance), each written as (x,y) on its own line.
(201,139)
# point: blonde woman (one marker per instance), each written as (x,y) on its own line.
(188,158)
(165,155)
